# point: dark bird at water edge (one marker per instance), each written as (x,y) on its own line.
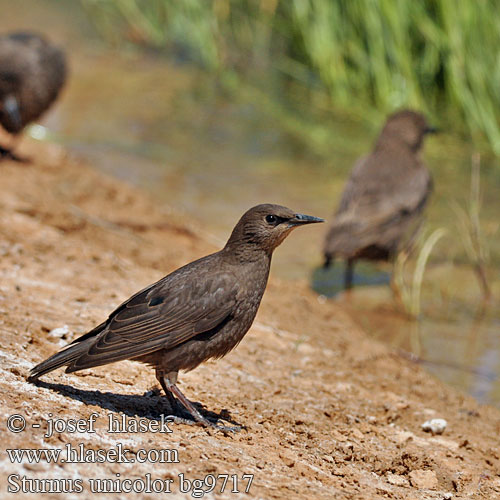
(200,311)
(381,207)
(32,73)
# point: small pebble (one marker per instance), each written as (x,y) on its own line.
(59,332)
(435,425)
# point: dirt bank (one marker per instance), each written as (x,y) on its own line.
(328,412)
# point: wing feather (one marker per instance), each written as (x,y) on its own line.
(181,310)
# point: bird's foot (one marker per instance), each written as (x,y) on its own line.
(198,419)
(181,420)
(203,422)
(227,429)
(178,401)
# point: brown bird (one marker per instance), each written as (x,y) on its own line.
(382,203)
(32,72)
(200,311)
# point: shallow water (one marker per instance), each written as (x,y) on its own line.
(165,126)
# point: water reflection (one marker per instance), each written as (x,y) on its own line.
(329,282)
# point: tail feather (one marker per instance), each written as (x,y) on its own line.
(68,355)
(62,358)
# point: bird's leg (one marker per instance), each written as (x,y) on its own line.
(172,402)
(397,279)
(328,261)
(170,387)
(349,273)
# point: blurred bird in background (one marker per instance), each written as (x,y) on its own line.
(32,73)
(381,207)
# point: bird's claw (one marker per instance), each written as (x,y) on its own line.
(180,420)
(226,429)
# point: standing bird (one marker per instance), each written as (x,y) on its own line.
(382,203)
(32,72)
(200,311)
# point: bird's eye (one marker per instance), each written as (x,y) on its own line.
(271,219)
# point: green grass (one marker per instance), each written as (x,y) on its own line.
(367,56)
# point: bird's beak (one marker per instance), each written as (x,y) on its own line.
(300,219)
(432,130)
(11,108)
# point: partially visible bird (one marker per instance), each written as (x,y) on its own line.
(32,72)
(197,312)
(381,207)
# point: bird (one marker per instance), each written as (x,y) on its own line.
(32,73)
(381,207)
(199,311)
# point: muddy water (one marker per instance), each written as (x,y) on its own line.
(165,126)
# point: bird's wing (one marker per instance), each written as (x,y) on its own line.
(163,315)
(384,184)
(352,190)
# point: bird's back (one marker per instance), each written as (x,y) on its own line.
(33,70)
(382,200)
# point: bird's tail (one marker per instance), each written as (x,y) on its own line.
(62,358)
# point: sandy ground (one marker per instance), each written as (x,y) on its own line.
(327,412)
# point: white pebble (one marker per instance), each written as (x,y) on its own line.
(435,425)
(59,332)
(38,132)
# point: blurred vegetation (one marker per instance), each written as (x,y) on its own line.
(470,230)
(410,294)
(363,57)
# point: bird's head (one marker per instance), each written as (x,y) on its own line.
(407,127)
(264,227)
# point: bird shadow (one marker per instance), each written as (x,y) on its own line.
(151,405)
